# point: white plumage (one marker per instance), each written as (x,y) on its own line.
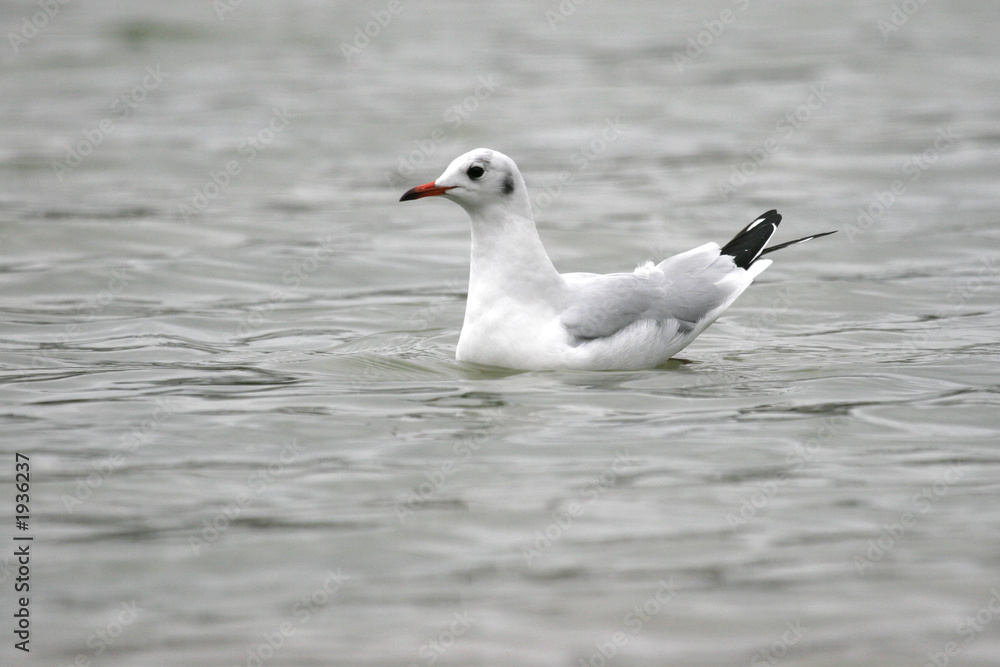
(522,313)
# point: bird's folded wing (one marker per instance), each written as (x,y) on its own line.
(681,291)
(602,305)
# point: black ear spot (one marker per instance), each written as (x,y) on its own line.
(508,184)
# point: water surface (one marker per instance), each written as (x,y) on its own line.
(228,350)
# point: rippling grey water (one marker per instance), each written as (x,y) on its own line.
(228,351)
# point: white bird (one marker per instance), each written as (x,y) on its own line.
(522,313)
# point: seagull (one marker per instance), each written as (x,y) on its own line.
(523,314)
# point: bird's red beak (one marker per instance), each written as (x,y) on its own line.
(425,190)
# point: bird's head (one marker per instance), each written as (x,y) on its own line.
(476,180)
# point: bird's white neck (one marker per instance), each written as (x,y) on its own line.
(508,256)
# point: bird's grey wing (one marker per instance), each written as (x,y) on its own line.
(683,289)
(698,282)
(602,305)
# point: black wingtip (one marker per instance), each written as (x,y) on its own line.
(749,244)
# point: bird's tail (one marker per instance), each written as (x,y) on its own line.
(801,240)
(749,245)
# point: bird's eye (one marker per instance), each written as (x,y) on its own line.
(475,172)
